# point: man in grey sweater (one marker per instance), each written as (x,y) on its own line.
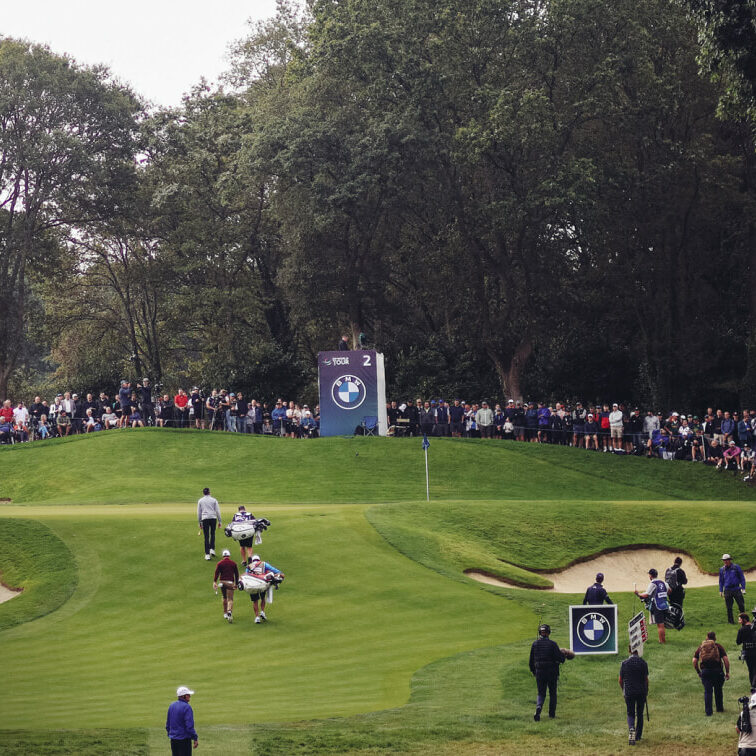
(209,518)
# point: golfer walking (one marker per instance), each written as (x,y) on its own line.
(209,518)
(179,723)
(633,681)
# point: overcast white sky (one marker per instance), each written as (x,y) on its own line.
(160,47)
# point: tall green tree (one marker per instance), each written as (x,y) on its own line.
(67,146)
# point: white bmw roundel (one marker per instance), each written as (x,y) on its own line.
(593,630)
(348,392)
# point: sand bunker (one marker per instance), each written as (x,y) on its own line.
(621,570)
(6,594)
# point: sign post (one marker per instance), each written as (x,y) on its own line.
(637,632)
(593,629)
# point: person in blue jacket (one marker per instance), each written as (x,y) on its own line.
(732,586)
(597,594)
(179,723)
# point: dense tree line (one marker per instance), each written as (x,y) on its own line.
(531,197)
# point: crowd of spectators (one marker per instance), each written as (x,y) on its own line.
(719,438)
(139,406)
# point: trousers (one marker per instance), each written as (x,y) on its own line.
(544,681)
(208,530)
(713,680)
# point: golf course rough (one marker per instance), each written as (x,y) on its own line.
(385,655)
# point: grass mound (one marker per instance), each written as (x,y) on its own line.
(33,558)
(154,465)
(499,537)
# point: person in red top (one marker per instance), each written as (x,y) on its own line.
(227,575)
(181,408)
(6,412)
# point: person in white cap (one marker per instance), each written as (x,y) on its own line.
(732,586)
(227,575)
(179,723)
(260,569)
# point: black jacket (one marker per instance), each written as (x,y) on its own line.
(545,656)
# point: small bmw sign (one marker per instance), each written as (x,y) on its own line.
(593,629)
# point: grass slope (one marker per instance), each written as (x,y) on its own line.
(34,559)
(496,536)
(154,465)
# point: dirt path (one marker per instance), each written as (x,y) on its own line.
(621,570)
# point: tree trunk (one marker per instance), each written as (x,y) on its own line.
(510,370)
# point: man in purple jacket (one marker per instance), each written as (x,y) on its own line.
(179,724)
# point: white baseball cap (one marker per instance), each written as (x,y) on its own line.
(226,552)
(255,558)
(726,556)
(184,691)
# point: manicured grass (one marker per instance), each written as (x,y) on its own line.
(34,559)
(367,650)
(154,465)
(496,536)
(347,630)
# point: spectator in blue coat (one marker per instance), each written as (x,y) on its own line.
(179,723)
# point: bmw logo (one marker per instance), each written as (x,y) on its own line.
(593,630)
(348,392)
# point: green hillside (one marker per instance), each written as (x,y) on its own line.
(155,465)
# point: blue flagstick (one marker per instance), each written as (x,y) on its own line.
(426,445)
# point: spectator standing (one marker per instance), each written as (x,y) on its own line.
(708,660)
(124,402)
(616,427)
(181,409)
(457,419)
(732,586)
(727,428)
(442,418)
(209,518)
(747,639)
(344,344)
(179,723)
(635,427)
(146,405)
(484,420)
(633,681)
(198,407)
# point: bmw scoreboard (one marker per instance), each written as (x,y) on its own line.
(593,629)
(352,385)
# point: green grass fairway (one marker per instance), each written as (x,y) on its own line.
(377,642)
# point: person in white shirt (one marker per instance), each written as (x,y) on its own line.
(616,426)
(21,415)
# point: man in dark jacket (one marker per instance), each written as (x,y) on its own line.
(707,661)
(633,680)
(179,723)
(545,658)
(597,594)
(747,639)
